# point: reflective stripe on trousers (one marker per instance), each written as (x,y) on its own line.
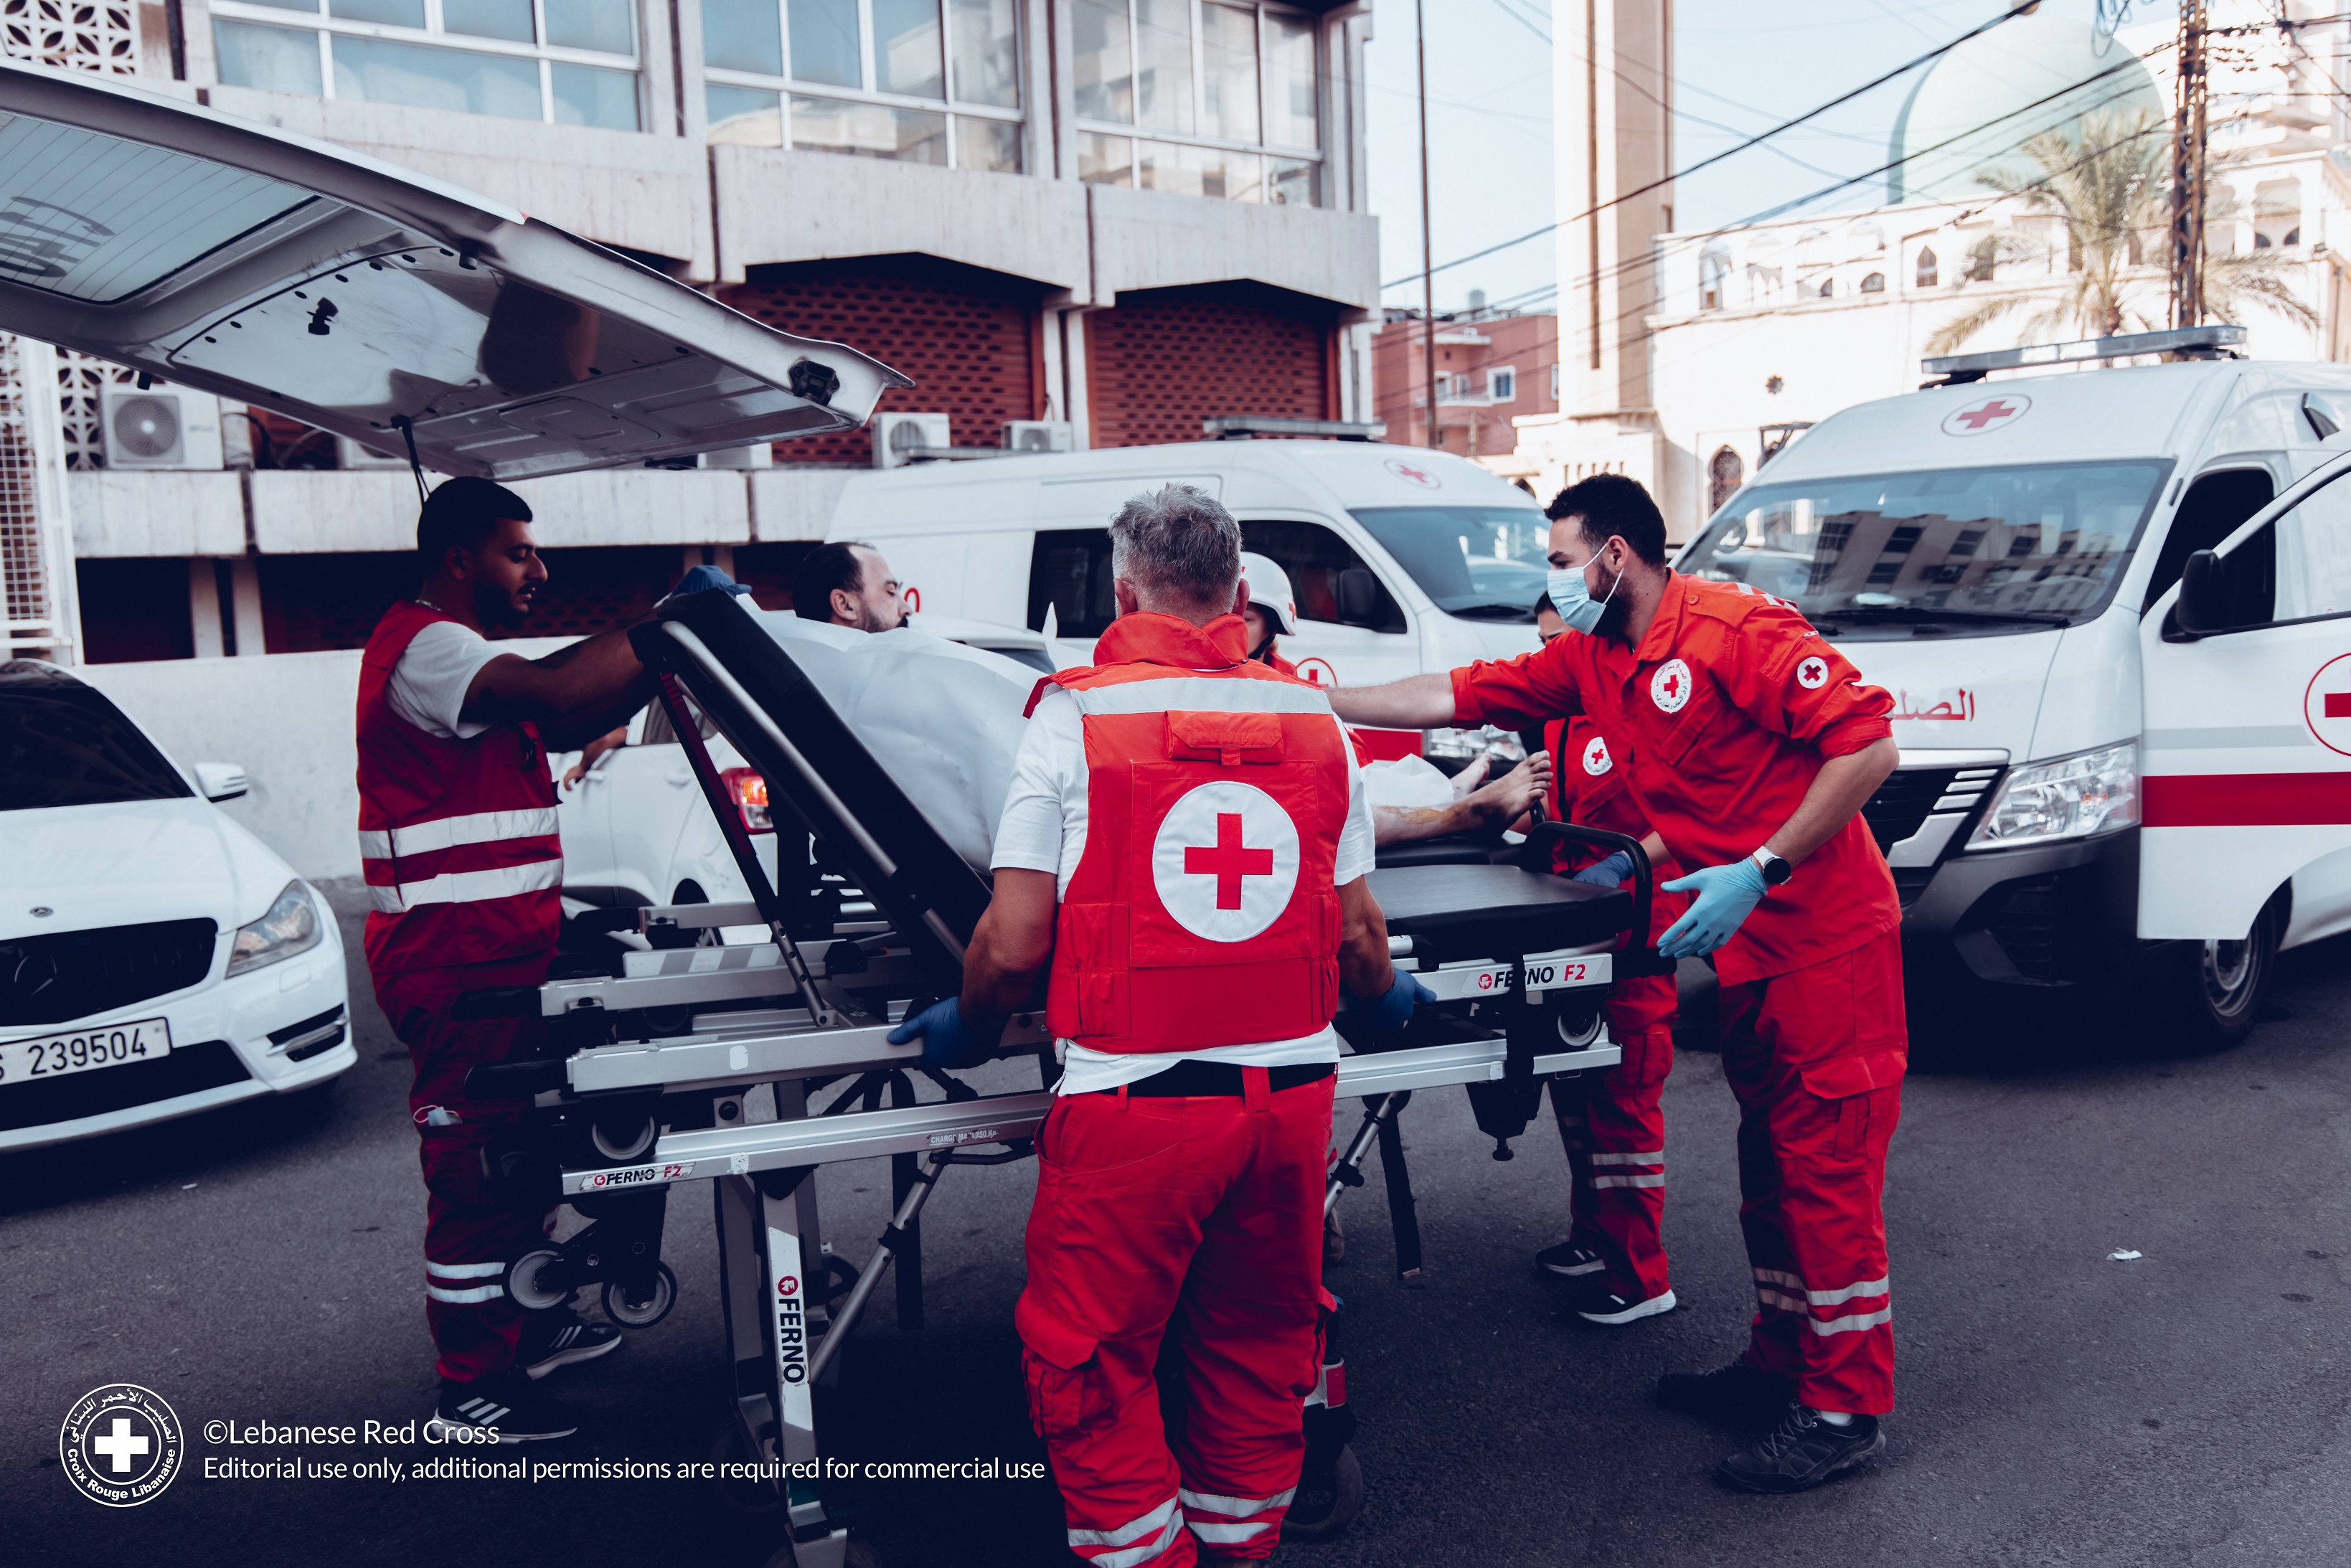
(1767,1279)
(1130,1549)
(440,1281)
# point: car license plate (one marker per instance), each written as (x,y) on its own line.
(85,1051)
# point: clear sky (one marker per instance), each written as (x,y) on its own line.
(1737,70)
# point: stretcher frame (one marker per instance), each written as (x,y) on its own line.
(786,1312)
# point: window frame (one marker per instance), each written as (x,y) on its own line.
(1502,383)
(435,36)
(1262,148)
(2253,536)
(786,87)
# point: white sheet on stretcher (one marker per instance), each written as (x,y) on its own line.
(943,719)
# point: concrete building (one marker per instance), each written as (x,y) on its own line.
(1122,216)
(1493,368)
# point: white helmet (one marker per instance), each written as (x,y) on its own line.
(1270,590)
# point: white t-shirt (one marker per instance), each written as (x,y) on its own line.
(434,672)
(1044,829)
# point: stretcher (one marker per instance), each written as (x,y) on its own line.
(750,1066)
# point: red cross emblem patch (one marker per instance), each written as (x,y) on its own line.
(1986,413)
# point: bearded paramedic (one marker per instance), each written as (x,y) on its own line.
(1750,744)
(1184,846)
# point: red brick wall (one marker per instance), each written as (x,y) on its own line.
(966,336)
(1162,361)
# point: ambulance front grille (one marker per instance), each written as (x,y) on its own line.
(1910,795)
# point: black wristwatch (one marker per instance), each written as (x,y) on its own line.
(1775,870)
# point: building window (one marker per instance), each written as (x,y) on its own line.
(1713,275)
(566,62)
(1874,284)
(1828,288)
(1224,97)
(1928,270)
(876,79)
(1554,381)
(1502,386)
(1724,472)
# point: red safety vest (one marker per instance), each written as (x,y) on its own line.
(1201,912)
(457,837)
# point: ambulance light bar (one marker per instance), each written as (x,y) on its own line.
(2190,342)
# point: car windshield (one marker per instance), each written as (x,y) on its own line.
(63,744)
(1486,563)
(1964,551)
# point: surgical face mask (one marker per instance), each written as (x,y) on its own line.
(1571,595)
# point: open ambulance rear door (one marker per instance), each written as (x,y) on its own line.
(374,301)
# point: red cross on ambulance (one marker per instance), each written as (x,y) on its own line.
(1224,861)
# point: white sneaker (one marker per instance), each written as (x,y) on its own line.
(1608,1308)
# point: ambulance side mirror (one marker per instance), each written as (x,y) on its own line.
(1358,592)
(2203,595)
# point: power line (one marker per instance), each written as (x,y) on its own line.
(1784,125)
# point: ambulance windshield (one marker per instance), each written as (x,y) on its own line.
(1962,551)
(1486,563)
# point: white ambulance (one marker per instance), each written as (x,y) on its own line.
(1403,560)
(2114,606)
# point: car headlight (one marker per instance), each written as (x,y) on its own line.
(291,926)
(1469,745)
(2071,798)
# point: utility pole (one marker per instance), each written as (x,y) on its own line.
(1427,257)
(2187,171)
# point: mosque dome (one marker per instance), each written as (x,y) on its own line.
(1975,108)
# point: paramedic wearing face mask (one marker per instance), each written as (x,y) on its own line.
(1610,1120)
(458,839)
(1184,846)
(1750,745)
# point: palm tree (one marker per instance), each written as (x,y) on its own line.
(2109,190)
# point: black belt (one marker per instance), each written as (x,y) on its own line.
(1188,1078)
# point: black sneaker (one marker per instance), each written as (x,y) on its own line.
(1601,1305)
(1741,1395)
(1802,1452)
(1569,1260)
(559,1340)
(508,1405)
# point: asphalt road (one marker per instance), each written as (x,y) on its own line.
(2058,1407)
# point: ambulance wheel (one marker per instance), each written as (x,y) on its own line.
(632,1311)
(1321,1514)
(2217,989)
(536,1280)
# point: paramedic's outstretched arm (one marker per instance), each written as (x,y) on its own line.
(1010,948)
(1416,702)
(573,694)
(1842,786)
(1491,806)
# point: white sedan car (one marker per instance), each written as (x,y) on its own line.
(155,958)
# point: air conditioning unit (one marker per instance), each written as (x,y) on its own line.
(349,454)
(903,438)
(1038,436)
(162,427)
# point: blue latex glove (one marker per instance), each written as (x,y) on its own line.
(1392,1009)
(1725,895)
(1607,872)
(699,577)
(948,1041)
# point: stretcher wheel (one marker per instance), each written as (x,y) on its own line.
(623,1139)
(635,1311)
(536,1281)
(1323,1513)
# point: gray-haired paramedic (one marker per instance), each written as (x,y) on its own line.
(1185,846)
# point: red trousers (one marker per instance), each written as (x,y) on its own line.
(469,1235)
(1615,1134)
(1816,1057)
(1197,1222)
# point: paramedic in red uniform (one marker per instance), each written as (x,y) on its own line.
(1750,745)
(1610,1121)
(1183,847)
(457,835)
